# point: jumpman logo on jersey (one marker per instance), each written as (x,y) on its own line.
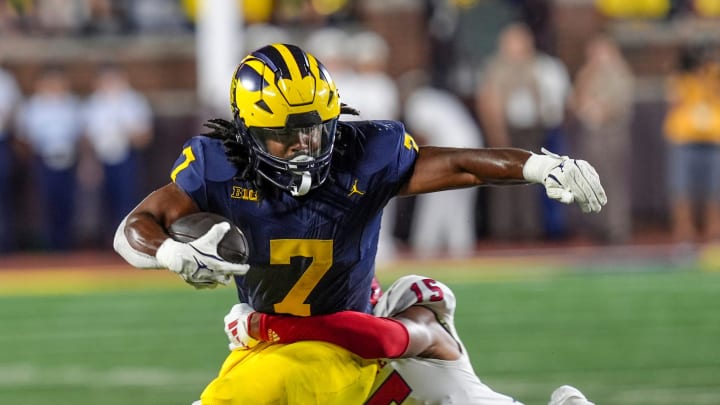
(354,189)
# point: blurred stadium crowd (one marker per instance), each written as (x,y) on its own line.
(97,96)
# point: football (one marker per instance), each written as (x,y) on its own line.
(234,245)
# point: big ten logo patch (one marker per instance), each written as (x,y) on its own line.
(242,193)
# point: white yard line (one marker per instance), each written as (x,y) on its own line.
(15,375)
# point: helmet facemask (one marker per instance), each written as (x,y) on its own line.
(296,159)
(286,109)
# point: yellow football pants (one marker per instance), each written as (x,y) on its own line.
(302,373)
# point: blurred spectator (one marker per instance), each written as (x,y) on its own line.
(10,97)
(118,124)
(155,16)
(50,122)
(261,34)
(105,17)
(537,15)
(372,90)
(520,99)
(330,46)
(603,105)
(692,128)
(707,8)
(438,117)
(311,12)
(61,16)
(555,89)
(253,12)
(10,20)
(257,11)
(443,19)
(646,9)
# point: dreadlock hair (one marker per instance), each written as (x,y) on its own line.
(236,150)
(343,137)
(346,109)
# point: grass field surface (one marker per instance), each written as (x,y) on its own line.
(623,337)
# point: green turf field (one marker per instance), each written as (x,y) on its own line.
(623,338)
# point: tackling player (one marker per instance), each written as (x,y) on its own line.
(308,191)
(430,366)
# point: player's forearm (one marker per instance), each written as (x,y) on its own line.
(144,233)
(439,169)
(363,334)
(136,256)
(496,165)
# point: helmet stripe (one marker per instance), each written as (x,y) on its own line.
(294,65)
(274,59)
(300,59)
(322,73)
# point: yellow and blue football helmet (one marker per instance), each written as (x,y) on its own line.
(283,94)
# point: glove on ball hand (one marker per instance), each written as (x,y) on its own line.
(198,262)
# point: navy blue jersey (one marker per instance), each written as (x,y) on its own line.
(313,254)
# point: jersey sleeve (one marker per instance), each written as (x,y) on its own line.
(189,169)
(398,148)
(363,334)
(202,170)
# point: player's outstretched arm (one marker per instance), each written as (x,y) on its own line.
(363,334)
(414,332)
(566,180)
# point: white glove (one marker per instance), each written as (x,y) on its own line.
(198,262)
(236,327)
(566,180)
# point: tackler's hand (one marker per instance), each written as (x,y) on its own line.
(198,262)
(236,327)
(566,180)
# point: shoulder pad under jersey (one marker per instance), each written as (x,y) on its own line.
(202,158)
(371,146)
(417,290)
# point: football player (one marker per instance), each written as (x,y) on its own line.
(430,366)
(308,191)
